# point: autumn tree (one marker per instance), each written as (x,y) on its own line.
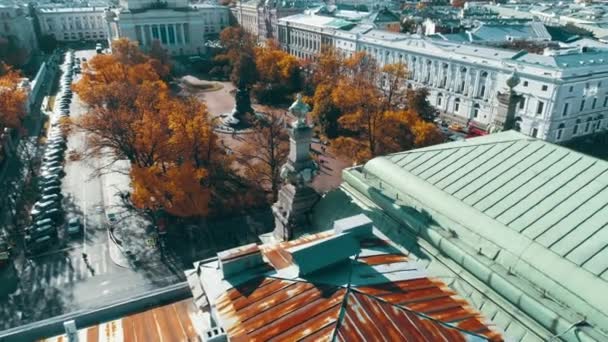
(278,74)
(168,140)
(264,152)
(393,78)
(417,100)
(238,52)
(12,98)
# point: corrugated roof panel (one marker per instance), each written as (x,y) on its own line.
(420,159)
(482,180)
(598,264)
(471,164)
(584,230)
(471,155)
(511,151)
(404,158)
(442,156)
(511,175)
(568,216)
(565,192)
(512,193)
(590,247)
(433,168)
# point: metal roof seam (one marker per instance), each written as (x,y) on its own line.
(420,314)
(474,204)
(346,295)
(580,204)
(552,193)
(478,188)
(538,185)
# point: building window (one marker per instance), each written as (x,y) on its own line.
(565,111)
(540,107)
(439,97)
(522,103)
(594,103)
(582,106)
(155,32)
(545,87)
(605,101)
(571,88)
(475,111)
(558,133)
(456,105)
(575,129)
(598,125)
(588,124)
(525,83)
(534,132)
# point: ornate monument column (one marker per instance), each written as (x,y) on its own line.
(296,197)
(505,119)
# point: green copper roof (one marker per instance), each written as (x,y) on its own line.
(532,208)
(548,193)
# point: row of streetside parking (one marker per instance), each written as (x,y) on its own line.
(47,213)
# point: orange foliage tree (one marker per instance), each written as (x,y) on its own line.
(168,140)
(357,104)
(12,98)
(278,73)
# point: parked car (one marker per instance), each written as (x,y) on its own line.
(53,158)
(36,232)
(50,190)
(42,223)
(74,226)
(50,184)
(39,244)
(55,214)
(50,197)
(53,163)
(46,179)
(41,207)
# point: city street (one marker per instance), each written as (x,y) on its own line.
(59,280)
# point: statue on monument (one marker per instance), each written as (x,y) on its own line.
(296,196)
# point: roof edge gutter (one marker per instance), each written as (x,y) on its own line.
(548,318)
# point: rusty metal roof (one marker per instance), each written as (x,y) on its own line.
(172,322)
(377,295)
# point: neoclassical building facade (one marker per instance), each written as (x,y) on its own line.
(564,93)
(181,28)
(73,23)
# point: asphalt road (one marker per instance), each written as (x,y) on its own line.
(59,280)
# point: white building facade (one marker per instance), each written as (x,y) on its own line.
(73,23)
(181,28)
(564,93)
(17,25)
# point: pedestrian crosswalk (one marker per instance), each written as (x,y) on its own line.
(71,268)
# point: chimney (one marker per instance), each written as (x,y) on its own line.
(239,259)
(359,226)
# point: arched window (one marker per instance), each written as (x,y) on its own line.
(456,105)
(439,98)
(475,111)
